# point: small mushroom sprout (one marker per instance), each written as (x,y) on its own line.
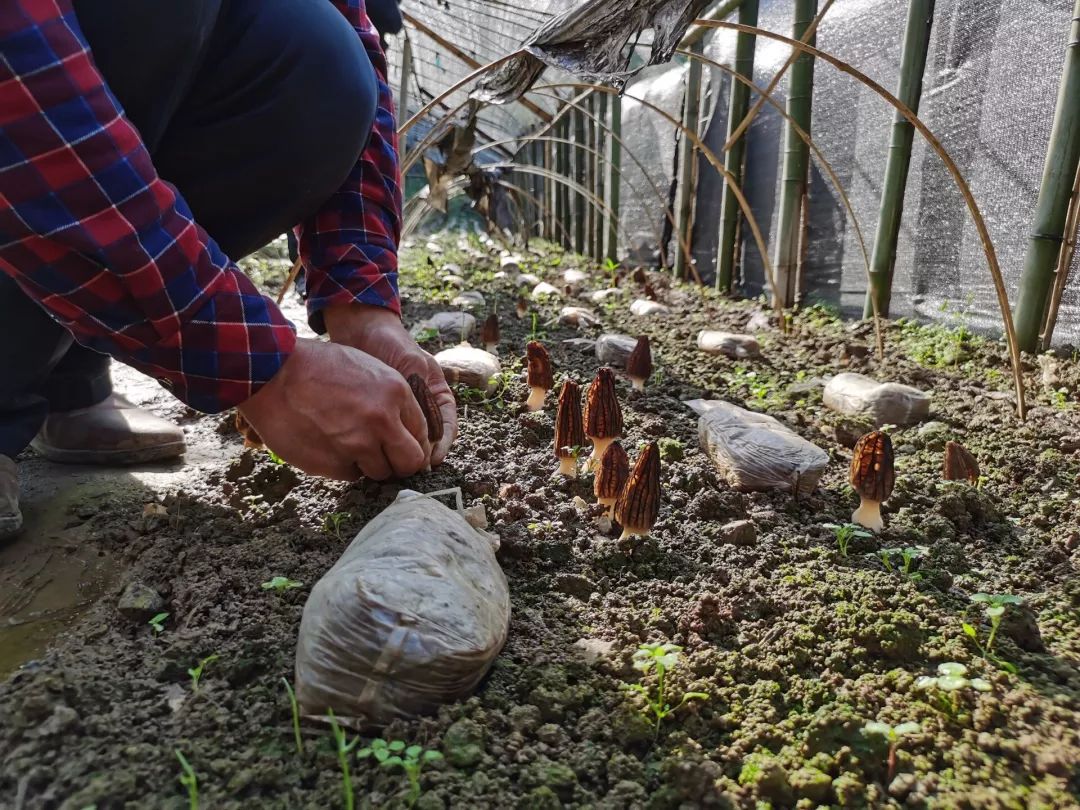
(428,405)
(639,365)
(872,477)
(611,476)
(639,502)
(540,378)
(603,416)
(569,429)
(960,465)
(491,333)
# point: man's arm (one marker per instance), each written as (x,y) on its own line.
(111,251)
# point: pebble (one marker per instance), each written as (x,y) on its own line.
(614,349)
(476,516)
(600,296)
(578,316)
(140,603)
(575,277)
(644,308)
(469,366)
(543,290)
(593,649)
(739,533)
(528,279)
(511,265)
(737,347)
(451,326)
(760,322)
(453,281)
(469,299)
(882,403)
(583,345)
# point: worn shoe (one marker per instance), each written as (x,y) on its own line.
(10,516)
(111,432)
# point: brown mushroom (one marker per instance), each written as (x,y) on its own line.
(522,307)
(603,416)
(251,436)
(639,365)
(639,502)
(569,429)
(491,333)
(960,464)
(611,476)
(428,405)
(540,377)
(872,476)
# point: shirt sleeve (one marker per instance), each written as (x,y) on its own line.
(349,247)
(111,251)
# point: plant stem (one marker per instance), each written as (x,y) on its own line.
(892,762)
(295,716)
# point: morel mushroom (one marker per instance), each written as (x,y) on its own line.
(491,333)
(872,476)
(428,405)
(522,307)
(639,365)
(639,502)
(603,416)
(569,429)
(960,464)
(540,377)
(611,476)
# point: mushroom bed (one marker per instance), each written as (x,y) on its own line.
(802,652)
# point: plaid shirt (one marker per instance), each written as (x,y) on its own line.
(112,252)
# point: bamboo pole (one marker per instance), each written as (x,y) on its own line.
(614,189)
(1068,249)
(561,168)
(599,144)
(735,157)
(403,91)
(1048,229)
(912,66)
(796,159)
(590,177)
(578,159)
(688,161)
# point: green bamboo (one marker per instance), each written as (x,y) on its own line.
(563,191)
(687,161)
(590,175)
(600,144)
(912,66)
(580,207)
(614,177)
(735,157)
(1048,228)
(796,160)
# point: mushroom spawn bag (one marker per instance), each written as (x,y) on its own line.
(411,616)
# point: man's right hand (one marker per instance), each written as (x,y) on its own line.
(337,412)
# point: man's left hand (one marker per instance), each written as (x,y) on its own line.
(380,333)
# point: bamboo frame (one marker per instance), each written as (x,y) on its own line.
(1068,249)
(687,166)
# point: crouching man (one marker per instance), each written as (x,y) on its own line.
(143,143)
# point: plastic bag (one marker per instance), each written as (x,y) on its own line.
(410,617)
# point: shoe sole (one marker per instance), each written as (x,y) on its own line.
(10,526)
(143,455)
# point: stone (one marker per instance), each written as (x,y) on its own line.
(471,367)
(614,349)
(739,533)
(578,316)
(140,603)
(470,299)
(433,247)
(644,308)
(760,322)
(882,403)
(544,290)
(902,784)
(452,327)
(511,265)
(737,347)
(600,296)
(575,277)
(476,516)
(453,281)
(755,452)
(847,432)
(463,743)
(583,345)
(593,649)
(528,279)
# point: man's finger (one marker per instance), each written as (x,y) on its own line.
(412,417)
(375,466)
(448,413)
(406,456)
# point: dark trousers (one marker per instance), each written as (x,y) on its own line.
(256,110)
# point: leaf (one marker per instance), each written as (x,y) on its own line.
(950,683)
(995,611)
(363,753)
(1008,667)
(953,669)
(980,685)
(980,597)
(381,754)
(909,727)
(1011,599)
(696,696)
(971,631)
(413,751)
(875,727)
(390,762)
(432,756)
(396,745)
(925,682)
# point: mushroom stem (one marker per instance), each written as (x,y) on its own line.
(491,348)
(627,533)
(568,466)
(536,398)
(868,515)
(610,504)
(600,447)
(638,383)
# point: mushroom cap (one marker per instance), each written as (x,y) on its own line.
(490,332)
(539,363)
(569,427)
(960,464)
(603,416)
(872,472)
(613,472)
(428,405)
(639,502)
(639,363)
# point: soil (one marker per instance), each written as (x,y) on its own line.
(797,646)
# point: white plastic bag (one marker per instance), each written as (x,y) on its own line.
(411,616)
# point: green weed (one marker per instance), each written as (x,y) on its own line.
(295,716)
(343,747)
(996,605)
(659,659)
(409,758)
(196,672)
(158,622)
(189,780)
(845,534)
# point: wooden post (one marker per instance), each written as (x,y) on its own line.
(564,190)
(614,178)
(684,212)
(600,145)
(549,197)
(580,203)
(590,173)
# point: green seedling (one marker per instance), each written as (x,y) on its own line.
(908,557)
(611,267)
(333,522)
(189,780)
(661,659)
(395,754)
(946,687)
(427,334)
(892,735)
(846,533)
(274,457)
(295,716)
(196,672)
(343,746)
(158,622)
(996,605)
(281,584)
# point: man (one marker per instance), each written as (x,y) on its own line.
(142,143)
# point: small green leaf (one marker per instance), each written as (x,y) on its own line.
(874,727)
(995,611)
(950,683)
(396,745)
(980,685)
(907,728)
(363,753)
(980,597)
(432,756)
(951,668)
(413,751)
(971,631)
(1005,665)
(381,754)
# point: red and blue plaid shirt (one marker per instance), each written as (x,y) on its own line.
(112,252)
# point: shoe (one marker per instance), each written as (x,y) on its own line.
(10,516)
(111,432)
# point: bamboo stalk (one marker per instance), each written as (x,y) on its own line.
(687,161)
(600,144)
(1048,228)
(1068,249)
(580,214)
(796,159)
(590,177)
(403,91)
(614,177)
(735,157)
(912,67)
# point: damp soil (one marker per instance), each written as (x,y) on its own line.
(797,646)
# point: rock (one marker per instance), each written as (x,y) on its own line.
(544,290)
(760,322)
(511,265)
(575,277)
(739,533)
(811,783)
(528,279)
(140,603)
(63,720)
(902,784)
(755,452)
(593,649)
(737,347)
(433,247)
(600,296)
(583,345)
(453,281)
(578,316)
(882,403)
(476,516)
(471,367)
(847,432)
(648,309)
(471,299)
(451,326)
(614,350)
(463,743)
(1019,624)
(933,435)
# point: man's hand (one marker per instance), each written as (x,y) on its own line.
(379,332)
(336,412)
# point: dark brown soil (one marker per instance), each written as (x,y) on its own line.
(797,646)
